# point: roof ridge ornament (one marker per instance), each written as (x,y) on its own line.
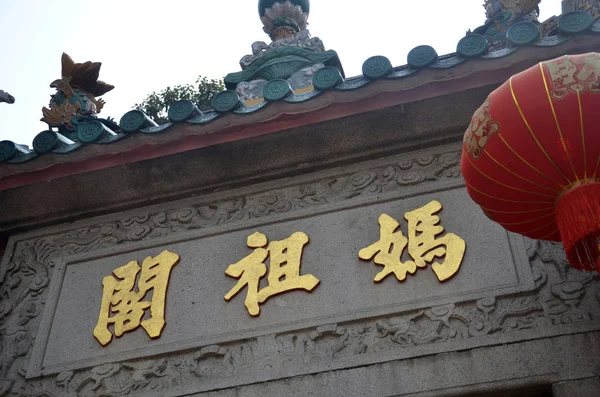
(6,97)
(293,55)
(591,7)
(76,93)
(283,20)
(301,39)
(528,9)
(501,15)
(72,115)
(306,73)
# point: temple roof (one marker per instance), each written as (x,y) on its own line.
(331,96)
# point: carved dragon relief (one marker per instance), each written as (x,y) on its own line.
(561,296)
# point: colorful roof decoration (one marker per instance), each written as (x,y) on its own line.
(294,68)
(6,97)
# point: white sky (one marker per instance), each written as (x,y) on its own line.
(147,45)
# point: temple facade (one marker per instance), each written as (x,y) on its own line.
(310,235)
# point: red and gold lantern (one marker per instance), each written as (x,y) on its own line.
(531,156)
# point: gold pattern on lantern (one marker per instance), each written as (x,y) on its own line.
(481,129)
(572,74)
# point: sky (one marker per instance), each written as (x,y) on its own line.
(147,45)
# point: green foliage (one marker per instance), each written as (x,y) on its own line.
(156,104)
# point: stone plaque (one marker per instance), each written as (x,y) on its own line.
(197,314)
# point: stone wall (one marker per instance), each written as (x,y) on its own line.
(514,316)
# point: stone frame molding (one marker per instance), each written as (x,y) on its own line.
(558,301)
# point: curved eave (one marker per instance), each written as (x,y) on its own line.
(280,116)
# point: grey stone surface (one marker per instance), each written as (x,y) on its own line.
(199,316)
(578,388)
(291,152)
(498,371)
(419,122)
(532,320)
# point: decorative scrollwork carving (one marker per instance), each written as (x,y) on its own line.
(561,296)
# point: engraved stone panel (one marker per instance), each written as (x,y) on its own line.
(507,291)
(197,315)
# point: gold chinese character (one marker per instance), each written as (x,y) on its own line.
(423,246)
(284,272)
(127,305)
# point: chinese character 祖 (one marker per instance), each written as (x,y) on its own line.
(284,272)
(423,246)
(127,305)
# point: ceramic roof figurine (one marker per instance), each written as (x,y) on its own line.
(501,15)
(290,60)
(283,19)
(6,97)
(294,69)
(76,94)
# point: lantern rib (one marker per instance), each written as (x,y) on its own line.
(503,184)
(596,169)
(515,174)
(546,237)
(507,200)
(517,212)
(539,228)
(525,222)
(531,132)
(529,164)
(562,139)
(582,135)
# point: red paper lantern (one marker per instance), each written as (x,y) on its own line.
(531,156)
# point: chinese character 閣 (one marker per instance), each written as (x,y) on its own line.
(284,274)
(423,245)
(127,305)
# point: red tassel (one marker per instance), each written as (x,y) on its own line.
(578,220)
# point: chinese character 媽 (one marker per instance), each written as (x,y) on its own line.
(423,245)
(284,272)
(120,298)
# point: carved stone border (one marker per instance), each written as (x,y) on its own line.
(524,282)
(564,301)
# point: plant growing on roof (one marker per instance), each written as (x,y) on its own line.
(156,104)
